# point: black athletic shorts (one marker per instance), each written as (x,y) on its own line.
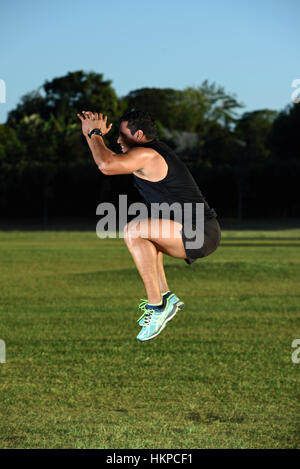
(212,237)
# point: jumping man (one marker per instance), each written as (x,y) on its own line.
(161,177)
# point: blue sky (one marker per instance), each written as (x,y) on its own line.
(250,47)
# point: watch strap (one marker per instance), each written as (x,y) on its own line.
(95,131)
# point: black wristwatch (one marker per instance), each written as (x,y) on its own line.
(95,131)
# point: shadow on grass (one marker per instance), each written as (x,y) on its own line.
(200,266)
(259,245)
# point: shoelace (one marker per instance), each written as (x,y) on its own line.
(147,313)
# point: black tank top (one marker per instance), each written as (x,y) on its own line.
(178,185)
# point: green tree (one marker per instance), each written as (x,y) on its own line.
(64,96)
(78,91)
(220,147)
(207,111)
(11,148)
(191,109)
(12,155)
(284,136)
(46,124)
(160,102)
(221,106)
(254,128)
(46,119)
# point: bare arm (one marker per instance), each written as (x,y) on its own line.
(108,162)
(101,154)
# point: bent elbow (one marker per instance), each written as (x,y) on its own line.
(103,168)
(106,172)
(106,167)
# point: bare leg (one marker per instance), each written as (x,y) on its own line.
(144,250)
(145,256)
(163,285)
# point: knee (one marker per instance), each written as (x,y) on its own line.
(130,233)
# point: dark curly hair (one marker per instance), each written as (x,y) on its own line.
(140,120)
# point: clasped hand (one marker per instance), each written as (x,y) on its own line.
(94,120)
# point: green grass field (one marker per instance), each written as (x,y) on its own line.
(219,376)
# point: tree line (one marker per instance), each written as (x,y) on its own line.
(246,166)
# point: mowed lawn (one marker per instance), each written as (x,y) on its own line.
(219,376)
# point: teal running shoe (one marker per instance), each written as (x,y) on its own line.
(155,319)
(172,297)
(177,301)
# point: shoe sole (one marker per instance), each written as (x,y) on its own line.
(179,305)
(171,315)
